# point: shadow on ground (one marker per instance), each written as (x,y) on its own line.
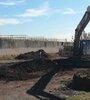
(73,63)
(38,89)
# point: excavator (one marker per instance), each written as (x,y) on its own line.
(76,49)
(78,32)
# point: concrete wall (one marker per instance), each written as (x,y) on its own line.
(12,46)
(26,43)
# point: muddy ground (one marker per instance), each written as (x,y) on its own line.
(39,79)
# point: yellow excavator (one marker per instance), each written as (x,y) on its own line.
(78,32)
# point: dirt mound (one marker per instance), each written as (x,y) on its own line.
(23,70)
(81,81)
(33,55)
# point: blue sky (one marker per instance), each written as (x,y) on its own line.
(42,18)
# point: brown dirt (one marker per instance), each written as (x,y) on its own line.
(22,70)
(32,62)
(39,79)
(33,55)
(81,81)
(50,86)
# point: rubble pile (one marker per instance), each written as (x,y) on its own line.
(22,70)
(33,55)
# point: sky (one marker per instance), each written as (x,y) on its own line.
(42,18)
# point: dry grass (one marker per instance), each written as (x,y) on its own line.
(7,57)
(84,96)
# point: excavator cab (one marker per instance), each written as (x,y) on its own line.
(85,47)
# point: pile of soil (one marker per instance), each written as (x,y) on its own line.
(81,81)
(23,70)
(33,55)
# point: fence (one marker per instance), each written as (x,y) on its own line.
(12,41)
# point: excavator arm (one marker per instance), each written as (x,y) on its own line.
(78,32)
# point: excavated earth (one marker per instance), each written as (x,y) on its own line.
(43,77)
(30,62)
(22,70)
(33,55)
(81,81)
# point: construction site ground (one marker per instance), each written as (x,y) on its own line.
(49,83)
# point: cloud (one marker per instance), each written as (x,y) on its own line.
(13,21)
(69,11)
(8,21)
(7,3)
(65,11)
(11,2)
(34,12)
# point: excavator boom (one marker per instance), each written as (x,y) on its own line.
(78,32)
